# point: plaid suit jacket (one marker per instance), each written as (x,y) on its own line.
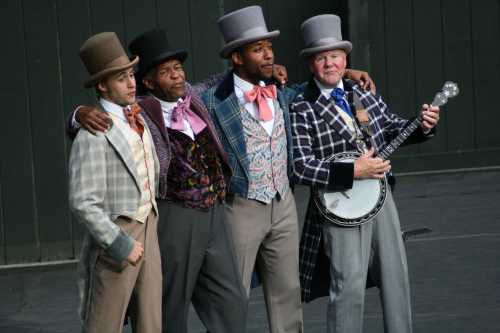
(318,133)
(224,109)
(103,184)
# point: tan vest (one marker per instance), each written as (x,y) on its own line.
(144,161)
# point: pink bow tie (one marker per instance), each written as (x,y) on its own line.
(181,112)
(259,94)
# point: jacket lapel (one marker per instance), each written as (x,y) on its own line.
(122,148)
(199,108)
(227,112)
(325,108)
(153,109)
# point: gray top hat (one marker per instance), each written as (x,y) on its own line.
(243,26)
(322,33)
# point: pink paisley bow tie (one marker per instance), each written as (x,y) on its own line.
(181,112)
(259,94)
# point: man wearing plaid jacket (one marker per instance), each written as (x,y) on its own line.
(335,260)
(113,179)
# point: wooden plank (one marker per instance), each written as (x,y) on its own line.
(378,60)
(107,16)
(47,125)
(74,28)
(486,63)
(457,54)
(17,170)
(288,44)
(359,33)
(205,39)
(429,64)
(2,233)
(174,18)
(138,17)
(400,95)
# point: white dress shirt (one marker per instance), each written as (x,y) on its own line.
(168,108)
(240,87)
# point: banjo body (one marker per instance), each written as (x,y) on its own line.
(354,206)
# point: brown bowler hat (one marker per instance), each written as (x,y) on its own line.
(103,55)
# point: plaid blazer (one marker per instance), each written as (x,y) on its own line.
(103,184)
(223,107)
(318,133)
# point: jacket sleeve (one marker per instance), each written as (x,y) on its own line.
(87,188)
(200,87)
(308,170)
(72,127)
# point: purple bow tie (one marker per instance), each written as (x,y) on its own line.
(181,112)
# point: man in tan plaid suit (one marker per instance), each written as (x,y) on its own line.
(113,181)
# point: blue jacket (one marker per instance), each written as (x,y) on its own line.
(224,109)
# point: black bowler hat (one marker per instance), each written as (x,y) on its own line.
(153,48)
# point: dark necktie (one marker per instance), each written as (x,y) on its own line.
(338,96)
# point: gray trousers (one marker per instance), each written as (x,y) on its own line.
(267,234)
(376,246)
(199,266)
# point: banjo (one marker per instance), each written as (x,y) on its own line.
(366,198)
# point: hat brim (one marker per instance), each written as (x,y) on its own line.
(342,45)
(226,51)
(180,55)
(97,77)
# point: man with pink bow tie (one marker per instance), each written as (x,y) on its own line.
(254,126)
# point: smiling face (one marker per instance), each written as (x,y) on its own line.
(119,88)
(253,62)
(167,81)
(328,67)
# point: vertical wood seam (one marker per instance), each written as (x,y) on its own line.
(28,107)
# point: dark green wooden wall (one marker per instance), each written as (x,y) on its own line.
(409,46)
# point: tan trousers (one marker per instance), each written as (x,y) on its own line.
(268,235)
(115,285)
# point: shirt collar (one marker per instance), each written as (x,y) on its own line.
(326,90)
(113,108)
(167,106)
(241,85)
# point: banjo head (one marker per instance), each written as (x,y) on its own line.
(355,206)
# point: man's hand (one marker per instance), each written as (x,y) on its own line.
(362,78)
(367,166)
(92,119)
(136,254)
(430,117)
(280,74)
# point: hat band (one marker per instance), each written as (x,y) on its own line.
(117,62)
(257,31)
(324,42)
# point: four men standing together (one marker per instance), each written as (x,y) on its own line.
(220,166)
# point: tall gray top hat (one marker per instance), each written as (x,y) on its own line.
(322,33)
(243,26)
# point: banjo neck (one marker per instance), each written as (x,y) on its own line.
(449,90)
(396,142)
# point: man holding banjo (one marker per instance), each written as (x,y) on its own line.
(340,131)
